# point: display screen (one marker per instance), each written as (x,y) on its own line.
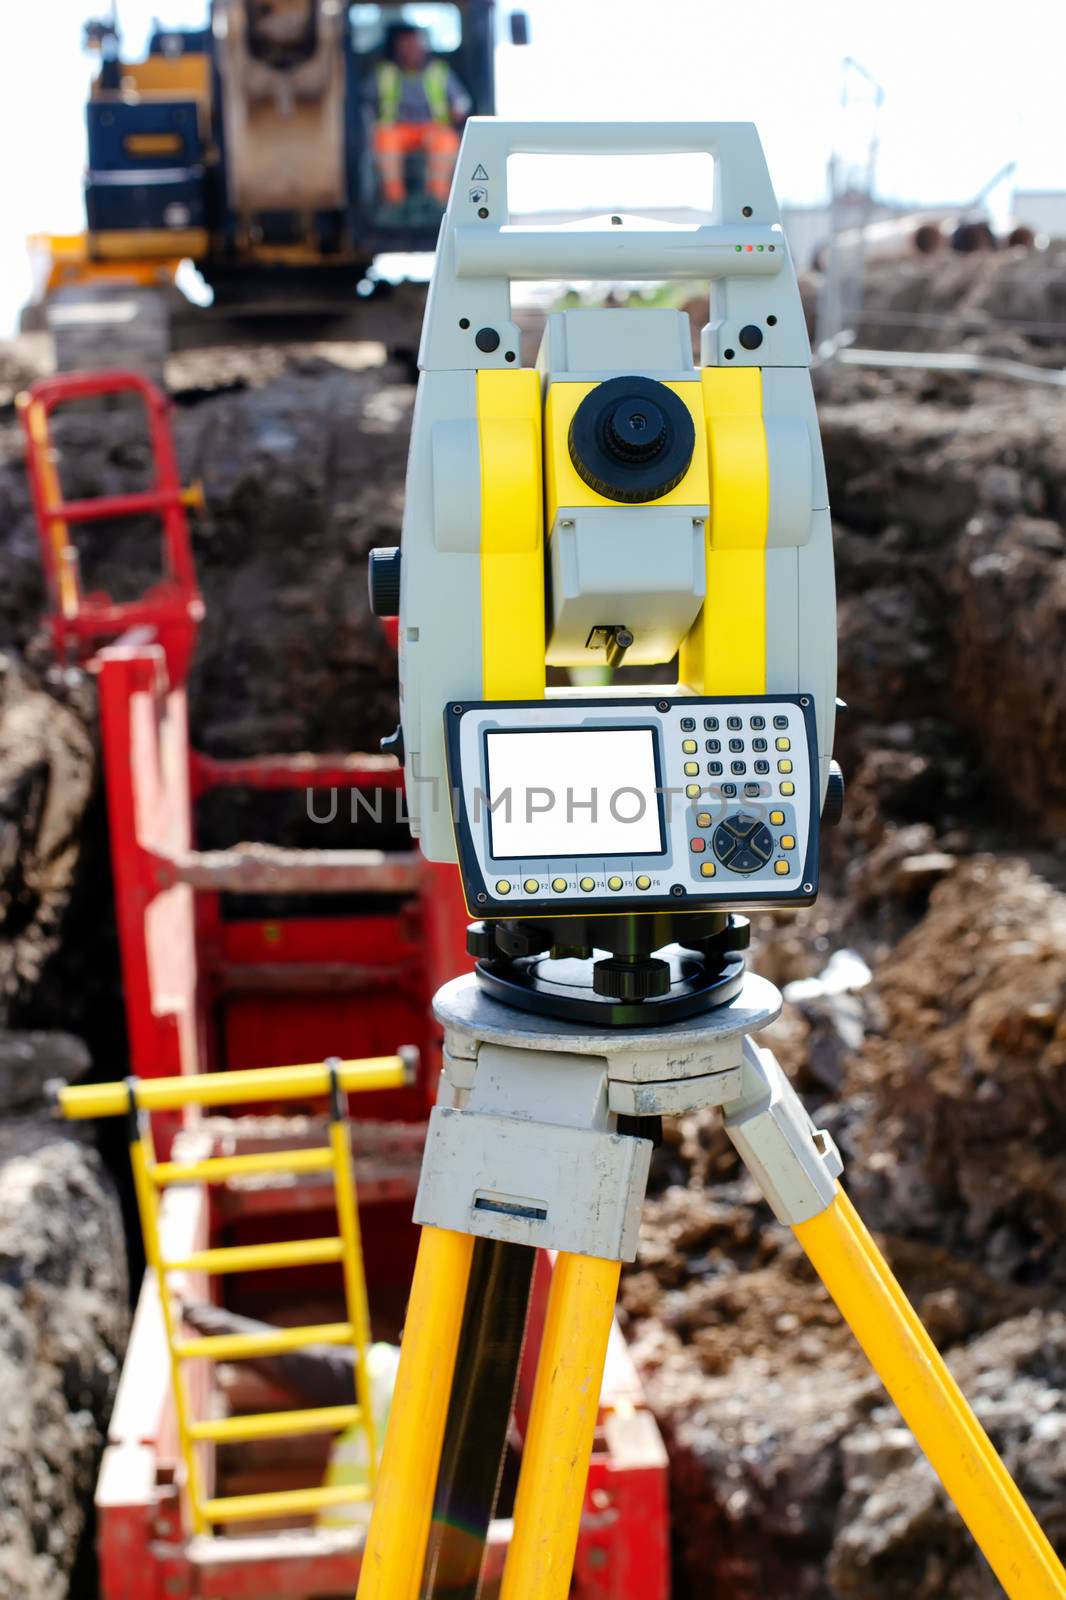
(572,792)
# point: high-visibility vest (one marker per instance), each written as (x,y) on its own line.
(434,80)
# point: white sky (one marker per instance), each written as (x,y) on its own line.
(968,87)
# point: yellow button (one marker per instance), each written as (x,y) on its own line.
(783,744)
(787,842)
(559,885)
(689,746)
(777,818)
(692,790)
(614,883)
(643,882)
(708,869)
(703,819)
(781,868)
(788,789)
(531,886)
(588,883)
(503,887)
(692,769)
(784,766)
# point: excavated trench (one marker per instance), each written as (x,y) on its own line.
(943,1079)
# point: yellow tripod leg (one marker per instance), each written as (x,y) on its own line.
(902,1354)
(403,1500)
(562,1422)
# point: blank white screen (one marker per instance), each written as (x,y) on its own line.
(540,785)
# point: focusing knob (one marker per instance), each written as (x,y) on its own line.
(631,440)
(635,431)
(383,579)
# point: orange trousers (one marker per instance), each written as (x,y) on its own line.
(395,140)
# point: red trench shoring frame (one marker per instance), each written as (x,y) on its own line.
(203,993)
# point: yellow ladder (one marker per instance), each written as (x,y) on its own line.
(135,1098)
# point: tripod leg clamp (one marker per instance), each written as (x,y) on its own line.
(795,1164)
(527,1153)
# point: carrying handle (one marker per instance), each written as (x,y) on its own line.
(482,251)
(741,176)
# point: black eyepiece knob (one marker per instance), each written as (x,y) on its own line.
(635,431)
(631,439)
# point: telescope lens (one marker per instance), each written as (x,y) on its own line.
(631,439)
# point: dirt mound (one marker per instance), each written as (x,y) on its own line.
(302,457)
(898,1538)
(1007,303)
(941,1081)
(47,770)
(959,1096)
(949,1115)
(952,584)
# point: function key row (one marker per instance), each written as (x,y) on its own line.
(504,886)
(733,723)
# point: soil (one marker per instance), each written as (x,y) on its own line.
(941,1080)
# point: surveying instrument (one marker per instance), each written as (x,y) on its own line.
(615,505)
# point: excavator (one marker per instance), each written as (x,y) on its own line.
(281,148)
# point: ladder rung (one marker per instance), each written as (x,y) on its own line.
(283,1502)
(259,1257)
(218,1169)
(236,1346)
(276,1424)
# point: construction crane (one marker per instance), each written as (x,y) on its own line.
(280,148)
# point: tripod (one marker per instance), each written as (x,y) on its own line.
(524,1148)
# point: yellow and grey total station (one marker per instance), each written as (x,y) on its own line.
(615,504)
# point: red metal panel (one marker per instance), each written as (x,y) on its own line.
(297,772)
(173,606)
(144,737)
(126,1512)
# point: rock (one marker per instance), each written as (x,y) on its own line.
(63,1324)
(1002,488)
(898,1536)
(28,1061)
(920,872)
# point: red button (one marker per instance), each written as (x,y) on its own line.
(697,845)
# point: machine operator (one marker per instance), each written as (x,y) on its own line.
(418,107)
